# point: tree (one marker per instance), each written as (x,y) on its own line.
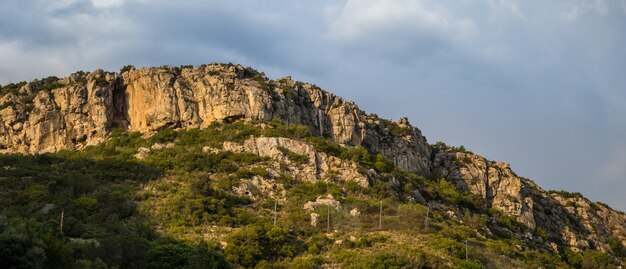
(208,258)
(20,251)
(168,256)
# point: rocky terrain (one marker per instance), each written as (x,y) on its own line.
(82,110)
(87,109)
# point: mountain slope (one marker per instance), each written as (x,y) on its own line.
(217,152)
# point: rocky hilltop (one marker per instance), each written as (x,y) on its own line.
(84,109)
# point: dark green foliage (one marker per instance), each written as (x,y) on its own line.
(95,197)
(593,259)
(440,146)
(249,72)
(572,258)
(45,84)
(468,265)
(566,194)
(309,191)
(20,251)
(318,243)
(383,260)
(616,246)
(49,83)
(251,244)
(294,157)
(164,136)
(207,205)
(127,68)
(394,129)
(166,256)
(5,105)
(207,257)
(11,88)
(325,145)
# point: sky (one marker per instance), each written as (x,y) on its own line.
(537,84)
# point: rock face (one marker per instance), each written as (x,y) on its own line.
(317,166)
(83,109)
(76,114)
(570,219)
(494,181)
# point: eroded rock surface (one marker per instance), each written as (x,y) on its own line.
(82,110)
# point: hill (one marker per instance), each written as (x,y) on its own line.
(218,165)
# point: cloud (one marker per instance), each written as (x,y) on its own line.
(403,27)
(584,7)
(107,3)
(507,7)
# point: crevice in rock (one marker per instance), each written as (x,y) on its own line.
(120,118)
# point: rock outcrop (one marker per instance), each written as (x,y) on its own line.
(76,114)
(568,218)
(83,109)
(316,166)
(493,181)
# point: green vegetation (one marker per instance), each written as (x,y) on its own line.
(11,88)
(256,243)
(566,194)
(182,207)
(6,104)
(441,146)
(294,157)
(126,68)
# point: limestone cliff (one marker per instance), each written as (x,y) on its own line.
(83,108)
(568,218)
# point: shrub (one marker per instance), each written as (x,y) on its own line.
(251,244)
(616,246)
(468,265)
(168,256)
(206,257)
(597,260)
(11,88)
(294,157)
(126,68)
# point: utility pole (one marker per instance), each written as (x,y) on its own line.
(380,215)
(426,220)
(275,206)
(61,226)
(328,220)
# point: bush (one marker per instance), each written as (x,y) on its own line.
(251,244)
(12,88)
(294,157)
(616,246)
(168,256)
(126,68)
(206,257)
(468,265)
(593,259)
